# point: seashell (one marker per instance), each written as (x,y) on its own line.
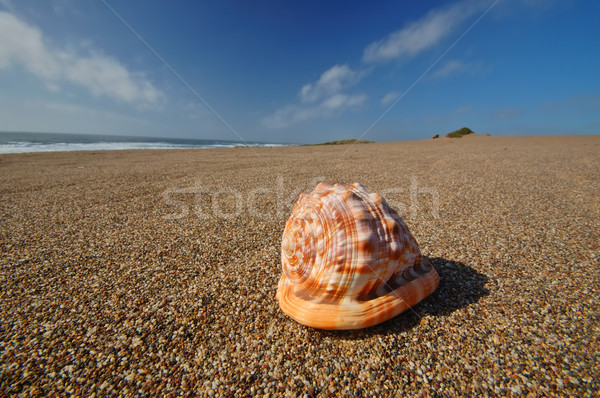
(349,261)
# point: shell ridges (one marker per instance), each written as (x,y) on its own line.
(349,261)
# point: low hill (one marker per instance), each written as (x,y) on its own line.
(460,132)
(347,141)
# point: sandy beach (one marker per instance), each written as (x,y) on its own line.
(154,271)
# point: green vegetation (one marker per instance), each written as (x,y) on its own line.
(342,142)
(460,132)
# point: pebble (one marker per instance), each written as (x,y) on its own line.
(105,292)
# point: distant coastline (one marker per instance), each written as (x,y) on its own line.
(344,142)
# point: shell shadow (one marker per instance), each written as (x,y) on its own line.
(460,286)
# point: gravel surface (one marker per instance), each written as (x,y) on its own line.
(154,272)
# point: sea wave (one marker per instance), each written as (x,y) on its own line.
(30,146)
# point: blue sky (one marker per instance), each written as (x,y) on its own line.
(309,71)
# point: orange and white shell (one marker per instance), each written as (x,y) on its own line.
(349,261)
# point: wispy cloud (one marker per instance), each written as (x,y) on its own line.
(23,45)
(321,98)
(463,109)
(16,115)
(298,113)
(389,97)
(326,96)
(455,67)
(450,68)
(420,35)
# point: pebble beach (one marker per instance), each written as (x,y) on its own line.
(154,272)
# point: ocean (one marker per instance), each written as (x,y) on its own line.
(52,142)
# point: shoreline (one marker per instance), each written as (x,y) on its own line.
(11,142)
(327,144)
(156,270)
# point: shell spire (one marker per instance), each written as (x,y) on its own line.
(349,261)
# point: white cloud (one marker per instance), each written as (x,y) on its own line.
(455,67)
(420,35)
(341,101)
(285,116)
(299,113)
(331,81)
(106,76)
(23,45)
(389,97)
(321,98)
(327,95)
(450,68)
